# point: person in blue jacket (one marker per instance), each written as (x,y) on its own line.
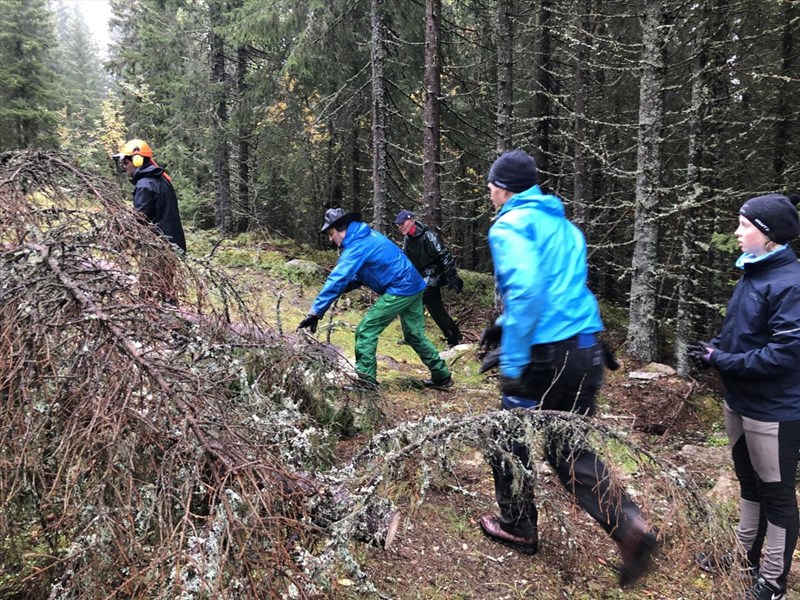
(757,354)
(372,259)
(550,358)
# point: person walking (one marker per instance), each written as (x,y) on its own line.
(550,358)
(155,200)
(435,264)
(757,354)
(372,259)
(153,195)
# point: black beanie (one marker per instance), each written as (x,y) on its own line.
(775,215)
(514,171)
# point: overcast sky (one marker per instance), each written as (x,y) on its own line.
(96,13)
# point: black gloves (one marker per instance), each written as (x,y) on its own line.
(491,337)
(490,361)
(700,354)
(310,322)
(353,285)
(610,358)
(512,386)
(455,283)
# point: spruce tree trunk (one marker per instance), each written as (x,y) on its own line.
(505,76)
(355,166)
(334,168)
(379,116)
(783,110)
(542,101)
(244,210)
(643,324)
(695,192)
(580,176)
(221,168)
(431,143)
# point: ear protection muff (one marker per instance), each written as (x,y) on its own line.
(136,151)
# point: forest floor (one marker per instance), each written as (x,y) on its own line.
(439,551)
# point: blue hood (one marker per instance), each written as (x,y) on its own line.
(534,198)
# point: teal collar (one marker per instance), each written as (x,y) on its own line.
(747,258)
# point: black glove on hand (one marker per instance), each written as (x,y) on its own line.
(512,386)
(612,364)
(310,322)
(455,283)
(353,285)
(491,337)
(699,354)
(490,361)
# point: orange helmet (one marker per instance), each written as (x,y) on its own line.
(136,150)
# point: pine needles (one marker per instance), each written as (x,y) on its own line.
(145,434)
(157,440)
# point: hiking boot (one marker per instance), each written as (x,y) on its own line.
(444,384)
(726,562)
(491,528)
(361,385)
(763,591)
(637,549)
(715,563)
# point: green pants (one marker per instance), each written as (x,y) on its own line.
(412,319)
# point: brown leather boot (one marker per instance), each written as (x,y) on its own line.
(491,528)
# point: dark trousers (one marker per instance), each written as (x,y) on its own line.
(432,299)
(765,456)
(564,376)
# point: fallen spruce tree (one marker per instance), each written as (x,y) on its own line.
(150,449)
(157,440)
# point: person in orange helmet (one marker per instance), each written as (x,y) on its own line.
(153,194)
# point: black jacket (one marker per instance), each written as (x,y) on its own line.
(429,256)
(155,198)
(758,348)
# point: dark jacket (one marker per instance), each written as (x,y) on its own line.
(758,348)
(429,255)
(372,259)
(154,197)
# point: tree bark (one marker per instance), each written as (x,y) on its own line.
(379,116)
(431,141)
(695,192)
(355,168)
(244,210)
(580,175)
(334,169)
(222,197)
(643,324)
(505,76)
(783,116)
(542,102)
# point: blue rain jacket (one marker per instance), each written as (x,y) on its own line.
(540,268)
(375,261)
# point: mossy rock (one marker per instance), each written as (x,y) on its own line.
(305,266)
